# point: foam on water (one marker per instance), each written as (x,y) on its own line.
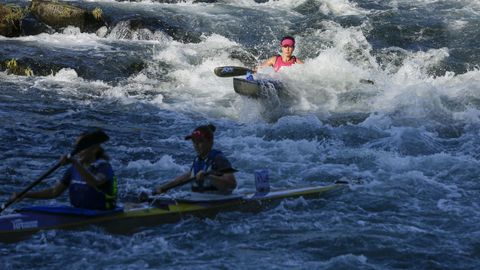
(341,8)
(71,38)
(286,4)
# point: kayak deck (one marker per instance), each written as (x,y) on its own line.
(134,216)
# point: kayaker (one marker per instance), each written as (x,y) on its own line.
(286,58)
(90,180)
(206,166)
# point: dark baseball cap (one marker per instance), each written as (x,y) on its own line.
(202,132)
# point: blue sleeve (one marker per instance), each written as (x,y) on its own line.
(221,163)
(193,165)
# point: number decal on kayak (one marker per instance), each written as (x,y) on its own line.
(227,70)
(19,224)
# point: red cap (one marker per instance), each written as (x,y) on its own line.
(200,134)
(288,42)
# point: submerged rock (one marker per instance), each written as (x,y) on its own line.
(10,20)
(136,67)
(133,27)
(12,67)
(60,15)
(28,67)
(173,1)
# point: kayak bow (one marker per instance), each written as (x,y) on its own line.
(257,88)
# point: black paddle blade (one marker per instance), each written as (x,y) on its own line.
(365,81)
(231,71)
(90,139)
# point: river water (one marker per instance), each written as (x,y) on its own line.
(409,144)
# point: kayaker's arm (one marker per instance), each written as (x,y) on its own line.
(91,179)
(48,193)
(270,62)
(175,182)
(224,182)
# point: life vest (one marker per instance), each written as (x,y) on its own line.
(205,165)
(280,63)
(83,195)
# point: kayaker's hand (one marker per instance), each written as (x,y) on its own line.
(65,159)
(14,196)
(143,196)
(200,176)
(157,191)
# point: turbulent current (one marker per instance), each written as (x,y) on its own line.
(409,144)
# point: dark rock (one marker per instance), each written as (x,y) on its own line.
(154,24)
(32,26)
(28,67)
(60,15)
(94,20)
(13,67)
(10,20)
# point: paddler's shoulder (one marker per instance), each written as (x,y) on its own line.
(271,61)
(298,61)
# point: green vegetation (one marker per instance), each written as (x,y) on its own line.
(13,67)
(12,13)
(97,13)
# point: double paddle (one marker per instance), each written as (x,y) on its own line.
(91,139)
(144,197)
(219,172)
(232,71)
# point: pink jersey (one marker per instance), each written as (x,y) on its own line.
(279,63)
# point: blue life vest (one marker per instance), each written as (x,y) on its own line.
(205,165)
(100,197)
